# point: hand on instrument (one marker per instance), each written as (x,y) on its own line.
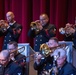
(71,30)
(38,57)
(39,26)
(68,25)
(18,31)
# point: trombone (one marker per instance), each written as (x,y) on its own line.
(16,52)
(45,50)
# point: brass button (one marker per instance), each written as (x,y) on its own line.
(40,39)
(37,36)
(40,35)
(35,44)
(36,40)
(4,44)
(5,40)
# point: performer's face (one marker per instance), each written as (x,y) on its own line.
(61,61)
(3,60)
(43,20)
(11,48)
(52,43)
(9,17)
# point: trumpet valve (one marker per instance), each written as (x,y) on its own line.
(62,30)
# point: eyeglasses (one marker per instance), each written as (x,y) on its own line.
(11,49)
(3,60)
(60,58)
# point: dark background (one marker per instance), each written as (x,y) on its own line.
(60,12)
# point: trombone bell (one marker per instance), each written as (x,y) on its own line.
(45,50)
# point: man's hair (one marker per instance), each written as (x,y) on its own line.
(55,39)
(61,52)
(14,43)
(10,12)
(43,14)
(5,54)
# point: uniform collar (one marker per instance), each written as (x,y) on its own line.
(64,64)
(9,63)
(46,26)
(12,23)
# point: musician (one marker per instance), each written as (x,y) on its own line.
(70,33)
(18,58)
(13,30)
(64,67)
(53,42)
(44,64)
(7,67)
(46,31)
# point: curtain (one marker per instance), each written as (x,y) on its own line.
(60,12)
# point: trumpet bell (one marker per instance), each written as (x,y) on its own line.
(34,27)
(3,25)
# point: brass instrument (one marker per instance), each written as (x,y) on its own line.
(54,69)
(19,50)
(34,26)
(45,50)
(67,30)
(16,51)
(3,25)
(62,30)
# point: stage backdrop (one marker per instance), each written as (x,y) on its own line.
(60,12)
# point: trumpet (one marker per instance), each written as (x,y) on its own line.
(68,30)
(3,25)
(34,26)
